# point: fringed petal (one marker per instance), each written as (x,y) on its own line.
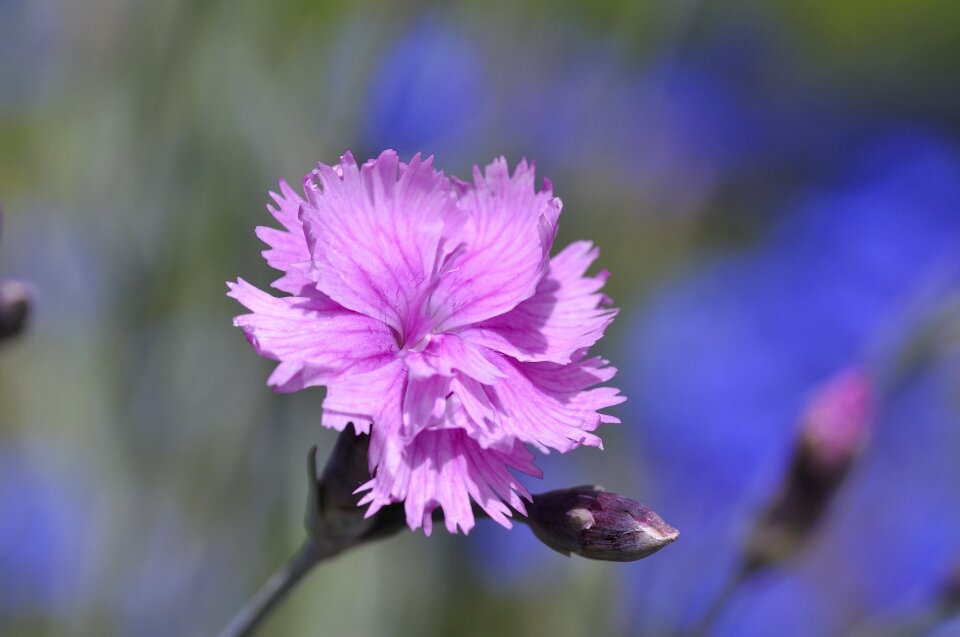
(567,313)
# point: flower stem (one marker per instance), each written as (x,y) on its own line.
(709,619)
(276,588)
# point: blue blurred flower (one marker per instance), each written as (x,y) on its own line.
(43,530)
(724,361)
(426,93)
(676,129)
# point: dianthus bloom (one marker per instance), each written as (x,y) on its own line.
(431,310)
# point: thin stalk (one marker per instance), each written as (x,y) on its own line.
(709,619)
(276,588)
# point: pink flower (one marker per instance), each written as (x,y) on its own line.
(432,312)
(836,423)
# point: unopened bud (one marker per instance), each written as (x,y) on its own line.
(14,308)
(834,429)
(332,511)
(332,517)
(837,422)
(598,525)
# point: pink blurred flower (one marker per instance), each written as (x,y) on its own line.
(836,423)
(834,428)
(432,312)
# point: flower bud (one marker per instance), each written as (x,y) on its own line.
(834,429)
(332,513)
(836,423)
(598,525)
(333,517)
(14,308)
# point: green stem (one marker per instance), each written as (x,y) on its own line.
(246,621)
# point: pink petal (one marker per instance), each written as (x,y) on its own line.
(363,398)
(313,338)
(548,405)
(445,354)
(507,232)
(424,403)
(565,315)
(374,235)
(288,247)
(447,468)
(430,373)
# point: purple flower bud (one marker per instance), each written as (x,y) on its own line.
(836,422)
(14,308)
(834,429)
(598,525)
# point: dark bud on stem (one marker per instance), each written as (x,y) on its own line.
(332,517)
(598,525)
(834,430)
(14,308)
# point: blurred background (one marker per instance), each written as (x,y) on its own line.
(775,188)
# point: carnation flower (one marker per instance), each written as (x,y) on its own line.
(432,312)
